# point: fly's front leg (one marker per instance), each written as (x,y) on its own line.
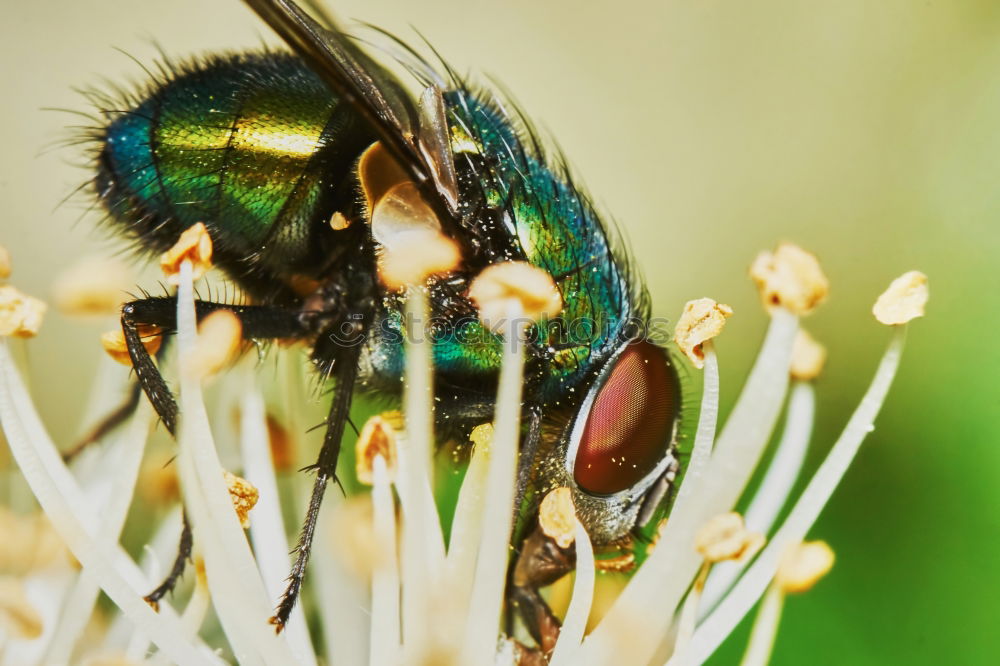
(258,322)
(540,563)
(162,313)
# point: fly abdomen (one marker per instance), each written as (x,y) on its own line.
(255,146)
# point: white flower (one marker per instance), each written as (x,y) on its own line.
(435,602)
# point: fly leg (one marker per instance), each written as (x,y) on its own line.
(258,322)
(108,423)
(526,455)
(183,556)
(116,418)
(336,355)
(541,562)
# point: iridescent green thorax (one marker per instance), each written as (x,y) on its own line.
(553,227)
(255,146)
(557,230)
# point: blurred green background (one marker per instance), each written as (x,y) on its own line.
(868,132)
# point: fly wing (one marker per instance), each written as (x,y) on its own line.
(434,143)
(415,139)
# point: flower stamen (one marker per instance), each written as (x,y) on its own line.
(244,496)
(557,517)
(702,320)
(377,438)
(20,315)
(808,357)
(903,301)
(791,278)
(194,246)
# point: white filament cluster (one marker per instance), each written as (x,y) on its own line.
(427,602)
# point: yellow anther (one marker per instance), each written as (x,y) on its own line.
(802,565)
(378,437)
(725,537)
(702,320)
(194,245)
(790,277)
(557,517)
(514,289)
(415,256)
(114,342)
(20,315)
(903,300)
(808,357)
(244,496)
(94,286)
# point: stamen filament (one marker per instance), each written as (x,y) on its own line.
(233,579)
(774,489)
(784,469)
(267,529)
(423,541)
(162,544)
(575,623)
(197,606)
(687,619)
(701,452)
(467,524)
(765,629)
(494,550)
(385,577)
(344,600)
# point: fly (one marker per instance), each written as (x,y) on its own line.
(267,150)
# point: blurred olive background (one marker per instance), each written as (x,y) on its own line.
(866,131)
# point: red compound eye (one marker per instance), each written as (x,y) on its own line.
(630,422)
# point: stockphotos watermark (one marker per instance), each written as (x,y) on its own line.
(470,333)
